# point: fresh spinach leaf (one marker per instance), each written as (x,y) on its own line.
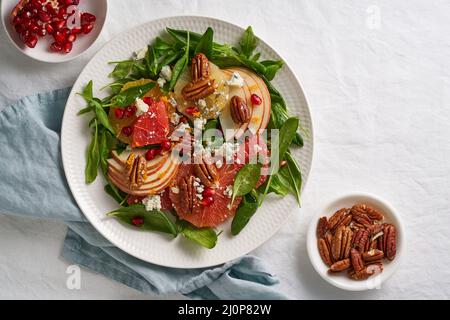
(245,211)
(122,69)
(291,172)
(205,44)
(127,97)
(246,179)
(151,62)
(115,193)
(103,151)
(248,42)
(162,45)
(154,220)
(93,158)
(102,116)
(205,237)
(272,67)
(180,65)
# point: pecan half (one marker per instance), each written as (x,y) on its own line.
(340,265)
(207,173)
(356,259)
(240,112)
(187,192)
(368,271)
(374,229)
(336,218)
(391,242)
(136,170)
(322,227)
(324,251)
(336,243)
(372,255)
(200,67)
(360,239)
(345,221)
(346,242)
(370,212)
(199,89)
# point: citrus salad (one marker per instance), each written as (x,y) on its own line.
(192,134)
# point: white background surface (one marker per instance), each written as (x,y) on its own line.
(378,90)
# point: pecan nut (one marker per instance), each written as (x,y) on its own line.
(136,170)
(187,192)
(324,251)
(340,265)
(356,259)
(199,89)
(391,242)
(336,243)
(240,112)
(207,173)
(200,67)
(372,255)
(366,272)
(336,217)
(346,242)
(360,239)
(322,227)
(345,221)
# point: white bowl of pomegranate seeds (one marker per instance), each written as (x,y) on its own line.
(356,241)
(53,30)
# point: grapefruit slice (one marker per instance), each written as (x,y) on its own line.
(152,127)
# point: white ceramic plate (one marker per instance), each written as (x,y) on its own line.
(41,52)
(94,202)
(341,280)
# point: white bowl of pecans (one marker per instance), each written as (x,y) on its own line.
(356,243)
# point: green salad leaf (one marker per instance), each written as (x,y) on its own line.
(246,179)
(248,42)
(180,65)
(245,211)
(93,158)
(127,97)
(206,237)
(205,44)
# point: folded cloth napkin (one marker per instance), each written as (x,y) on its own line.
(33,184)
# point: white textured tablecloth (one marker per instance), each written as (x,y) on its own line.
(377,75)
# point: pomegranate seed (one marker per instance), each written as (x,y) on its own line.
(87,28)
(256,100)
(150,154)
(166,145)
(76,30)
(31,41)
(25,14)
(58,25)
(87,18)
(208,192)
(49,28)
(55,46)
(127,131)
(148,100)
(66,31)
(17,20)
(24,35)
(184,119)
(207,201)
(118,112)
(33,28)
(191,110)
(130,111)
(19,28)
(71,38)
(36,4)
(50,10)
(137,221)
(59,37)
(67,47)
(42,32)
(44,16)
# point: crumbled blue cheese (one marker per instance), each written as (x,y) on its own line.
(228,192)
(166,73)
(201,103)
(199,123)
(152,202)
(179,131)
(161,82)
(140,54)
(175,118)
(141,107)
(236,80)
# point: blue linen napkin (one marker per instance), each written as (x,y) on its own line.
(33,184)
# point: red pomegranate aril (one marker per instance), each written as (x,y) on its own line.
(24,35)
(58,25)
(59,37)
(50,10)
(208,192)
(148,100)
(33,28)
(207,201)
(67,47)
(127,131)
(76,30)
(137,221)
(25,14)
(36,4)
(17,20)
(184,119)
(191,110)
(150,154)
(87,18)
(118,112)
(256,100)
(87,28)
(42,32)
(166,145)
(49,28)
(66,32)
(55,46)
(130,111)
(19,28)
(44,16)
(71,38)
(31,41)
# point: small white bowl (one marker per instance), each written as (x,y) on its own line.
(342,280)
(42,52)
